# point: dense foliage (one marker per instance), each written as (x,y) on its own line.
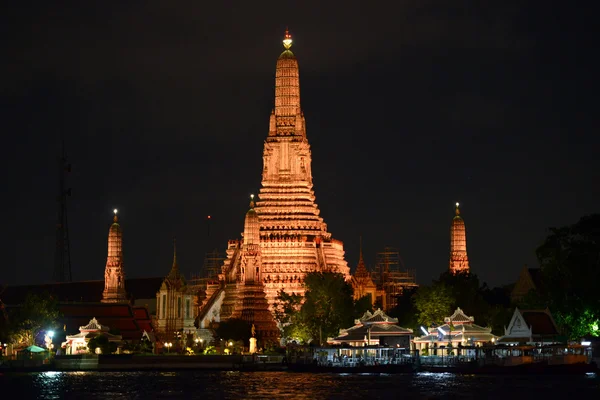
(570,262)
(27,323)
(326,306)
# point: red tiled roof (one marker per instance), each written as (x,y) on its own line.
(541,322)
(118,317)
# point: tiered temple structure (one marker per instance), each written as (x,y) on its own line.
(114,274)
(459,261)
(174,305)
(288,237)
(294,238)
(362,282)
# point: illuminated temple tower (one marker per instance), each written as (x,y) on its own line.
(288,237)
(459,262)
(293,237)
(114,275)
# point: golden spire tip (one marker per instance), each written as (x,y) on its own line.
(287,42)
(115,217)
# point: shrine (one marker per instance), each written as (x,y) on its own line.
(530,327)
(457,330)
(375,329)
(78,343)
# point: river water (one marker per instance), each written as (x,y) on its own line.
(289,385)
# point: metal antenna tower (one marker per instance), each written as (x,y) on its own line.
(62,256)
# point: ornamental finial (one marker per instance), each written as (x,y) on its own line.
(287,42)
(457,211)
(174,253)
(115,219)
(251,201)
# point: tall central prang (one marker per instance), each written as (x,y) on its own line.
(284,236)
(293,237)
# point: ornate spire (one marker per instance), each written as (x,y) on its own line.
(288,115)
(114,274)
(459,261)
(361,269)
(251,226)
(174,267)
(287,42)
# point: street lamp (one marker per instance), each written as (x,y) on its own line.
(168,346)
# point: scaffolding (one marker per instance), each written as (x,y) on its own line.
(392,277)
(209,274)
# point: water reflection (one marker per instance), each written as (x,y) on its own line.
(284,385)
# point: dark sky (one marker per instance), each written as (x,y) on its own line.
(410,106)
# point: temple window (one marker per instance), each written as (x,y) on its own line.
(164,304)
(179,307)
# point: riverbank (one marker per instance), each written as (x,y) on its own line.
(130,362)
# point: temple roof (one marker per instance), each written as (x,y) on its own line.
(459,317)
(540,321)
(175,279)
(94,325)
(377,317)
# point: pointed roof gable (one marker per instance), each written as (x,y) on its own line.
(94,325)
(377,317)
(459,317)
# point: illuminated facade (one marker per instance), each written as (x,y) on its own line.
(293,237)
(284,237)
(459,261)
(174,305)
(114,274)
(362,283)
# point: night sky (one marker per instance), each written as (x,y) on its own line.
(410,106)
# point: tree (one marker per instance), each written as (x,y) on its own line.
(328,304)
(362,305)
(37,314)
(570,263)
(405,309)
(101,341)
(326,307)
(288,313)
(433,303)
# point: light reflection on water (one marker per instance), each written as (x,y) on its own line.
(284,385)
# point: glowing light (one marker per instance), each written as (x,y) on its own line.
(586,343)
(594,327)
(424,331)
(252,196)
(443,332)
(115,211)
(51,334)
(457,204)
(208,217)
(231,343)
(287,42)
